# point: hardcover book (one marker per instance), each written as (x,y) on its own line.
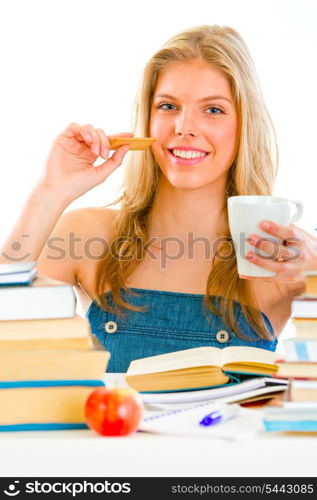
(43,298)
(54,364)
(56,333)
(44,405)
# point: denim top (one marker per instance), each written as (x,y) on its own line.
(173,321)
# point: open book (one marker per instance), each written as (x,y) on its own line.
(199,367)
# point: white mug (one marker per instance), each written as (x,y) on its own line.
(245,214)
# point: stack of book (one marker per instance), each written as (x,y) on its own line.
(237,373)
(299,366)
(291,416)
(49,360)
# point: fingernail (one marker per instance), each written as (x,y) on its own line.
(105,152)
(266,225)
(95,149)
(250,256)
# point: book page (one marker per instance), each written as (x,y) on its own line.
(185,397)
(185,422)
(243,354)
(55,328)
(188,358)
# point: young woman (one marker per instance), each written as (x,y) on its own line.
(158,274)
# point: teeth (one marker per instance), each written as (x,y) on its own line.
(187,154)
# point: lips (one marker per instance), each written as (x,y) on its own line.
(187,154)
(188,148)
(187,161)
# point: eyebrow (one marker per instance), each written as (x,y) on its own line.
(204,99)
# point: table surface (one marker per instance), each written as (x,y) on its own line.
(83,453)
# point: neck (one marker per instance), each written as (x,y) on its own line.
(178,211)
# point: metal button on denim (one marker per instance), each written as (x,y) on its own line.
(222,336)
(171,321)
(111,327)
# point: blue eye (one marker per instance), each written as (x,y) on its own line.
(169,108)
(215,111)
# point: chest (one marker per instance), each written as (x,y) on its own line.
(172,272)
(176,273)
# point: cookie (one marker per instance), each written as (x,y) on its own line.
(134,142)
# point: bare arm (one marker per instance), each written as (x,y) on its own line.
(69,172)
(39,215)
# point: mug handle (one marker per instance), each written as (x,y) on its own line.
(299,210)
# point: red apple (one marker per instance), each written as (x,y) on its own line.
(114,411)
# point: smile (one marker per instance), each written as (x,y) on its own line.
(186,157)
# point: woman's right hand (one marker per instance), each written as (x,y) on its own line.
(69,171)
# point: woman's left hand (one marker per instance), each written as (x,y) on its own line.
(290,258)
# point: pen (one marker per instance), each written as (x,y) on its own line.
(220,415)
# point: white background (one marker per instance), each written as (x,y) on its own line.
(80,60)
(77,60)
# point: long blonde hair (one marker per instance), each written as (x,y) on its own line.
(252,172)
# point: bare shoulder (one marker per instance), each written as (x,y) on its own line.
(76,244)
(91,221)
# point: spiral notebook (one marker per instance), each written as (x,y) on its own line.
(185,421)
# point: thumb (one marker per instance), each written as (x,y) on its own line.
(108,166)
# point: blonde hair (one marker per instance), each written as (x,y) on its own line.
(252,172)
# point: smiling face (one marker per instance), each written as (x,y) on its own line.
(194,120)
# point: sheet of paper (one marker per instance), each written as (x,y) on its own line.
(248,423)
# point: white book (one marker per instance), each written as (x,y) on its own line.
(16,267)
(44,298)
(300,349)
(18,273)
(292,410)
(304,307)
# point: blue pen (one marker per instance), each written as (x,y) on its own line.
(220,415)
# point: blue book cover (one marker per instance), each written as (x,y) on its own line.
(42,427)
(290,425)
(300,349)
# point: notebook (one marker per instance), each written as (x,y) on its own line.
(237,392)
(18,273)
(185,421)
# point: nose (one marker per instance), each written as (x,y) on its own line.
(185,125)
